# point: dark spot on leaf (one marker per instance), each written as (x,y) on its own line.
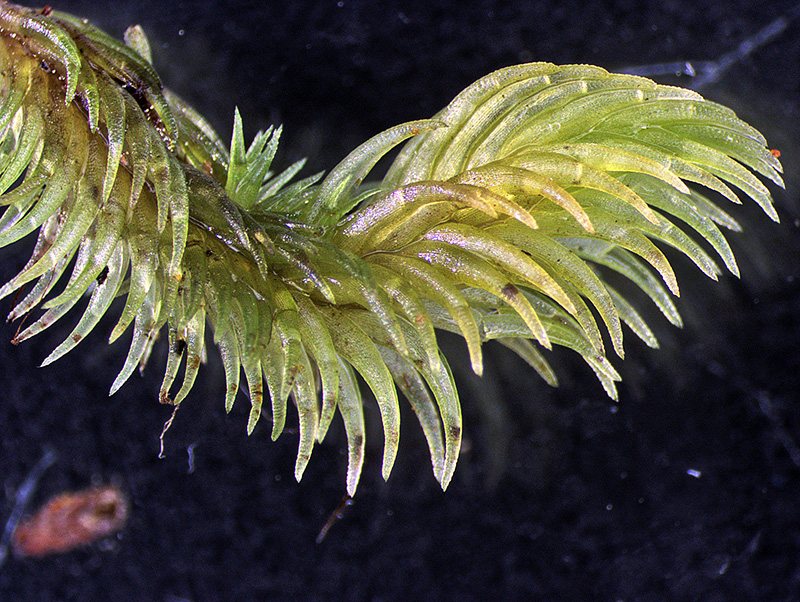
(180,347)
(76,338)
(509,291)
(454,431)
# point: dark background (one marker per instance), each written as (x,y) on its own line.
(559,494)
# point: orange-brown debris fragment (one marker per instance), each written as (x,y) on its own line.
(72,520)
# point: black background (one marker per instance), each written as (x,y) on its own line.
(559,494)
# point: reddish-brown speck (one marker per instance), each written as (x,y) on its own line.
(72,520)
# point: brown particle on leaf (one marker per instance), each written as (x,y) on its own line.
(453,431)
(510,291)
(72,520)
(102,276)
